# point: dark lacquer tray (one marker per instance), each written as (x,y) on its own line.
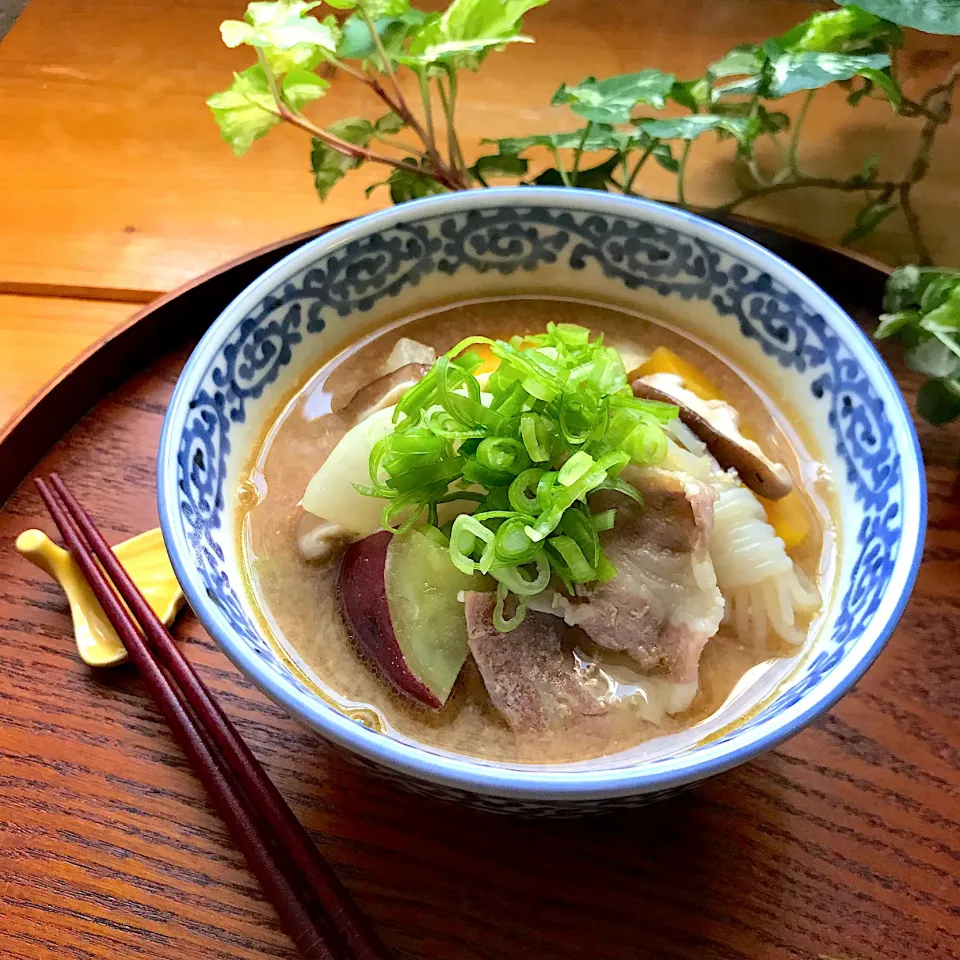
(840,844)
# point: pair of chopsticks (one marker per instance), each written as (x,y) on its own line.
(314,907)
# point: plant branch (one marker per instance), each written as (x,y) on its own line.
(297,119)
(384,59)
(794,147)
(448,101)
(578,152)
(830,183)
(398,104)
(937,102)
(681,173)
(637,167)
(561,169)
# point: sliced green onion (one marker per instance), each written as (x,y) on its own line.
(512,545)
(435,534)
(545,487)
(580,570)
(434,473)
(503,455)
(440,423)
(514,580)
(465,533)
(521,489)
(577,524)
(536,440)
(391,512)
(455,352)
(519,615)
(606,571)
(476,472)
(571,334)
(555,422)
(647,444)
(621,486)
(604,520)
(574,468)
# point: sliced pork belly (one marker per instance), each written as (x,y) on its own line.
(527,675)
(664,604)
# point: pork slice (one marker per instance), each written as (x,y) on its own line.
(664,604)
(530,680)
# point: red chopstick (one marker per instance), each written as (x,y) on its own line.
(235,779)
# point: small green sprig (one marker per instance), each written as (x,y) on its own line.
(922,307)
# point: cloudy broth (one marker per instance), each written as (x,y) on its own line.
(298,601)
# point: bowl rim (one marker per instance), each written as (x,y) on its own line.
(546,782)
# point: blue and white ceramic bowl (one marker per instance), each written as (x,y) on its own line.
(654,259)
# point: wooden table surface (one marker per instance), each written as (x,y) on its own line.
(116,188)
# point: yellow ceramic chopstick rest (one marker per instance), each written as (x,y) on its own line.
(144,557)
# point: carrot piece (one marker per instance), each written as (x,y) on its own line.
(663,360)
(790,518)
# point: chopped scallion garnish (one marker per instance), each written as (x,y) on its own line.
(556,421)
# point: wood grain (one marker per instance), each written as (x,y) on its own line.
(843,843)
(39,335)
(117,185)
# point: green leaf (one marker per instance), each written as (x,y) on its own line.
(868,172)
(873,79)
(499,165)
(374,9)
(466,32)
(301,86)
(689,128)
(356,43)
(902,289)
(932,357)
(405,185)
(869,218)
(601,137)
(912,287)
(612,100)
(355,130)
(893,323)
(930,16)
(286,35)
(329,165)
(849,30)
(692,94)
(938,401)
(745,59)
(810,70)
(389,124)
(246,110)
(945,317)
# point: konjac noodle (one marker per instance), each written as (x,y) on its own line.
(599,548)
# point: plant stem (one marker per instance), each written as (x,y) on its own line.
(937,101)
(561,169)
(830,183)
(578,152)
(681,172)
(451,109)
(794,147)
(384,59)
(637,167)
(398,104)
(407,148)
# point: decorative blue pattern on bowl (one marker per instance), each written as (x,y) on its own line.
(635,244)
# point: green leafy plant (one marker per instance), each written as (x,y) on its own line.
(624,122)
